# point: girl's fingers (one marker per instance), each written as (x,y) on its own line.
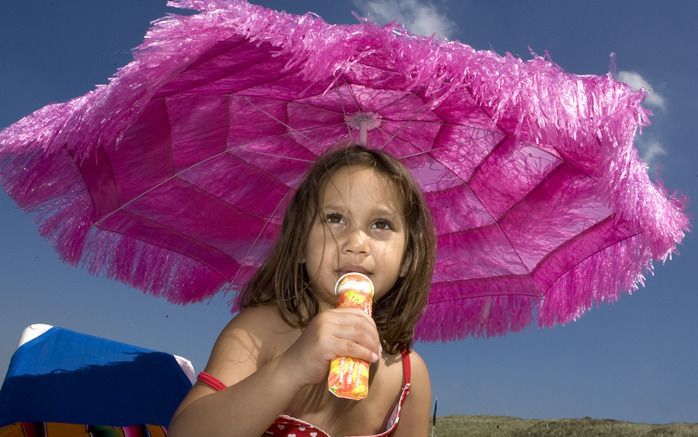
(332,334)
(355,350)
(357,335)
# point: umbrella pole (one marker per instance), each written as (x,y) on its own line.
(363,131)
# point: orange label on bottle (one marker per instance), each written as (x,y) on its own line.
(348,377)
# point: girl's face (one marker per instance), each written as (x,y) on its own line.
(360,228)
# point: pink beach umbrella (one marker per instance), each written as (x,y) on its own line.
(174,177)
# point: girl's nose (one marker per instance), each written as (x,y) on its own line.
(356,241)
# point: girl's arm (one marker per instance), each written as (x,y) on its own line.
(257,390)
(261,382)
(414,416)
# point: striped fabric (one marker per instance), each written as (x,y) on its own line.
(54,429)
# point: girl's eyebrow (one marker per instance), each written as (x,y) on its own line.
(385,211)
(378,210)
(334,207)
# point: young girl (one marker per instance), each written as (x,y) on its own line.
(357,210)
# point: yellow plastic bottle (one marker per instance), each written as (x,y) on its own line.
(348,377)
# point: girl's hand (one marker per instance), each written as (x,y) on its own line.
(340,332)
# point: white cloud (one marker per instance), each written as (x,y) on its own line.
(636,81)
(418,16)
(650,151)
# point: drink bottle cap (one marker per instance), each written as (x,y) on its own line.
(354,281)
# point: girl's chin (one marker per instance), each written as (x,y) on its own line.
(326,305)
(326,298)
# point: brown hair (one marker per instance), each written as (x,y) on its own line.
(282,279)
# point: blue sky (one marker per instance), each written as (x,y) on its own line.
(634,360)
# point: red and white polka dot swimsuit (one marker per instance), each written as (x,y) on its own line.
(287,426)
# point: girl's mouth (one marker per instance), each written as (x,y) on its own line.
(353,269)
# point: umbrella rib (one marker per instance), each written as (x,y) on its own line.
(572,164)
(223,202)
(495,222)
(442,124)
(304,102)
(392,137)
(170,178)
(247,99)
(344,112)
(378,110)
(466,183)
(270,155)
(242,93)
(396,134)
(459,281)
(601,249)
(450,124)
(161,183)
(402,97)
(123,207)
(319,108)
(175,175)
(358,105)
(439,121)
(350,131)
(259,234)
(192,89)
(542,293)
(186,237)
(351,91)
(503,131)
(397,120)
(485,158)
(481,296)
(285,134)
(156,186)
(548,175)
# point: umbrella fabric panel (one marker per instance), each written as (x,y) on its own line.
(198,127)
(457,208)
(523,167)
(279,157)
(561,208)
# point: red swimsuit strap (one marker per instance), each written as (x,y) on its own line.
(211,381)
(406,369)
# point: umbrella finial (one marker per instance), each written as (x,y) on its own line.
(364,122)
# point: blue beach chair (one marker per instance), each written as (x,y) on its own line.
(61,382)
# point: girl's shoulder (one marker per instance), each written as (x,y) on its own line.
(261,321)
(265,324)
(258,318)
(248,342)
(399,369)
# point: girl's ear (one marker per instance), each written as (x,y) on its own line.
(406,263)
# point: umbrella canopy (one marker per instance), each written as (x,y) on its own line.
(174,177)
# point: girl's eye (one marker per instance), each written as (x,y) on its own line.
(382,225)
(334,218)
